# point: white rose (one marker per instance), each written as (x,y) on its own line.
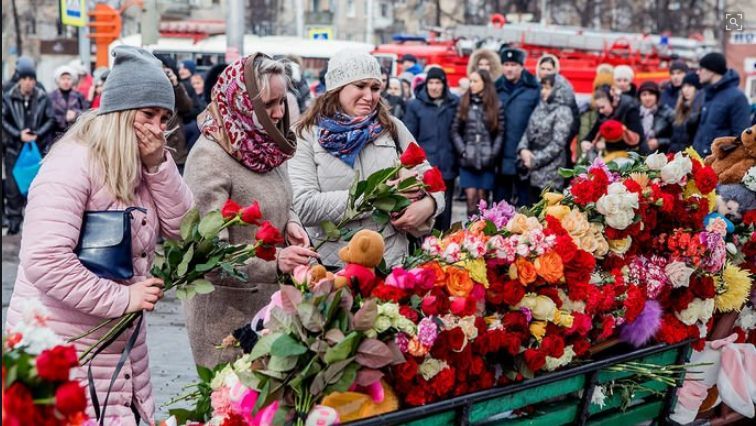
(617,206)
(391,310)
(382,323)
(405,325)
(673,172)
(656,161)
(431,367)
(467,324)
(679,274)
(620,220)
(689,316)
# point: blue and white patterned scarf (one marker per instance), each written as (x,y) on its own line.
(344,136)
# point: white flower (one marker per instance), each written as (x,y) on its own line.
(749,180)
(697,310)
(554,363)
(431,246)
(452,254)
(656,161)
(35,339)
(679,274)
(675,171)
(467,324)
(707,310)
(390,310)
(220,378)
(617,206)
(599,396)
(405,325)
(382,323)
(431,367)
(747,319)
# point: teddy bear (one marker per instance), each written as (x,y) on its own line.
(361,256)
(734,201)
(731,157)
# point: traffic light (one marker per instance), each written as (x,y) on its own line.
(105,24)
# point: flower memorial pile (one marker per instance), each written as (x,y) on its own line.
(37,386)
(621,254)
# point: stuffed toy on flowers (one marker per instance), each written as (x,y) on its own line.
(731,157)
(361,256)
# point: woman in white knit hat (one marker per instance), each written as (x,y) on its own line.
(347,132)
(623,80)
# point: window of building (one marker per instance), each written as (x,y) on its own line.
(384,10)
(351,9)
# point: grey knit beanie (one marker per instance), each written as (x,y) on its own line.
(348,66)
(137,80)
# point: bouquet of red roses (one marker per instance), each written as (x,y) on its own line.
(36,373)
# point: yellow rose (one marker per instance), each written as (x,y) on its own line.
(512,272)
(603,247)
(538,329)
(544,308)
(518,224)
(565,320)
(620,246)
(558,212)
(553,198)
(588,242)
(575,223)
(529,301)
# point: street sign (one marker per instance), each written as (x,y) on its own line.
(73,12)
(320,33)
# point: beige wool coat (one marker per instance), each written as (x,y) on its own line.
(214,176)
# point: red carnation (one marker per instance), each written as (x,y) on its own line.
(633,186)
(749,218)
(673,330)
(266,253)
(409,313)
(681,299)
(443,382)
(554,226)
(580,268)
(513,292)
(70,398)
(416,397)
(434,180)
(456,338)
(388,293)
(706,179)
(406,371)
(534,359)
(634,303)
(54,364)
(553,346)
(703,287)
(611,130)
(580,346)
(566,248)
(252,214)
(233,419)
(230,209)
(607,327)
(511,342)
(269,234)
(414,155)
(18,405)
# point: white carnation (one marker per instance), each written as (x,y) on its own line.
(675,171)
(656,161)
(679,274)
(747,319)
(566,358)
(749,180)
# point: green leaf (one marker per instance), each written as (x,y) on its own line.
(310,316)
(185,292)
(183,415)
(318,384)
(330,230)
(287,346)
(261,399)
(401,203)
(210,225)
(209,265)
(377,178)
(407,183)
(380,217)
(282,363)
(203,286)
(190,220)
(373,353)
(205,374)
(386,204)
(490,228)
(334,336)
(185,260)
(347,234)
(343,349)
(262,347)
(346,380)
(566,173)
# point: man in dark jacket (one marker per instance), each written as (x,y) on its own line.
(27,118)
(429,117)
(519,94)
(725,111)
(671,92)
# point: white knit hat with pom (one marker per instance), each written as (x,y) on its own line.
(348,66)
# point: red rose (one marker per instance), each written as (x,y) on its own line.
(70,398)
(515,321)
(252,214)
(463,306)
(681,298)
(566,248)
(443,382)
(580,268)
(580,346)
(434,181)
(456,338)
(409,313)
(54,364)
(706,179)
(406,371)
(611,130)
(511,342)
(534,359)
(552,293)
(268,234)
(230,209)
(749,218)
(553,346)
(18,406)
(513,292)
(703,287)
(414,155)
(266,253)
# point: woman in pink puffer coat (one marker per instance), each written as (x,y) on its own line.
(111,159)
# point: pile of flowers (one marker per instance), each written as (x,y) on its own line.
(37,388)
(621,255)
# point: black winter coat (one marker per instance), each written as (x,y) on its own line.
(661,129)
(517,104)
(43,121)
(626,112)
(478,148)
(725,112)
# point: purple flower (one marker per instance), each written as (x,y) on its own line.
(718,252)
(528,314)
(499,213)
(427,332)
(402,342)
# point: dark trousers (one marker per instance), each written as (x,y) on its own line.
(14,201)
(443,221)
(513,190)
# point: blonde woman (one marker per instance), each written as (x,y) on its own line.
(111,159)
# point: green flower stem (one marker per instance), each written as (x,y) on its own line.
(91,330)
(120,325)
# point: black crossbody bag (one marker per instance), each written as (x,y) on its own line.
(104,245)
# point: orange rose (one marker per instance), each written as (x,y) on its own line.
(526,272)
(458,281)
(438,272)
(549,267)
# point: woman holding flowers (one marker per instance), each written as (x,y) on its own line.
(111,159)
(241,156)
(349,132)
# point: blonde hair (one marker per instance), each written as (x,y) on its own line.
(113,149)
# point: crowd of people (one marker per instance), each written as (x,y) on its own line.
(232,135)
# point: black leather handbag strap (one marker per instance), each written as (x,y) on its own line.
(124,356)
